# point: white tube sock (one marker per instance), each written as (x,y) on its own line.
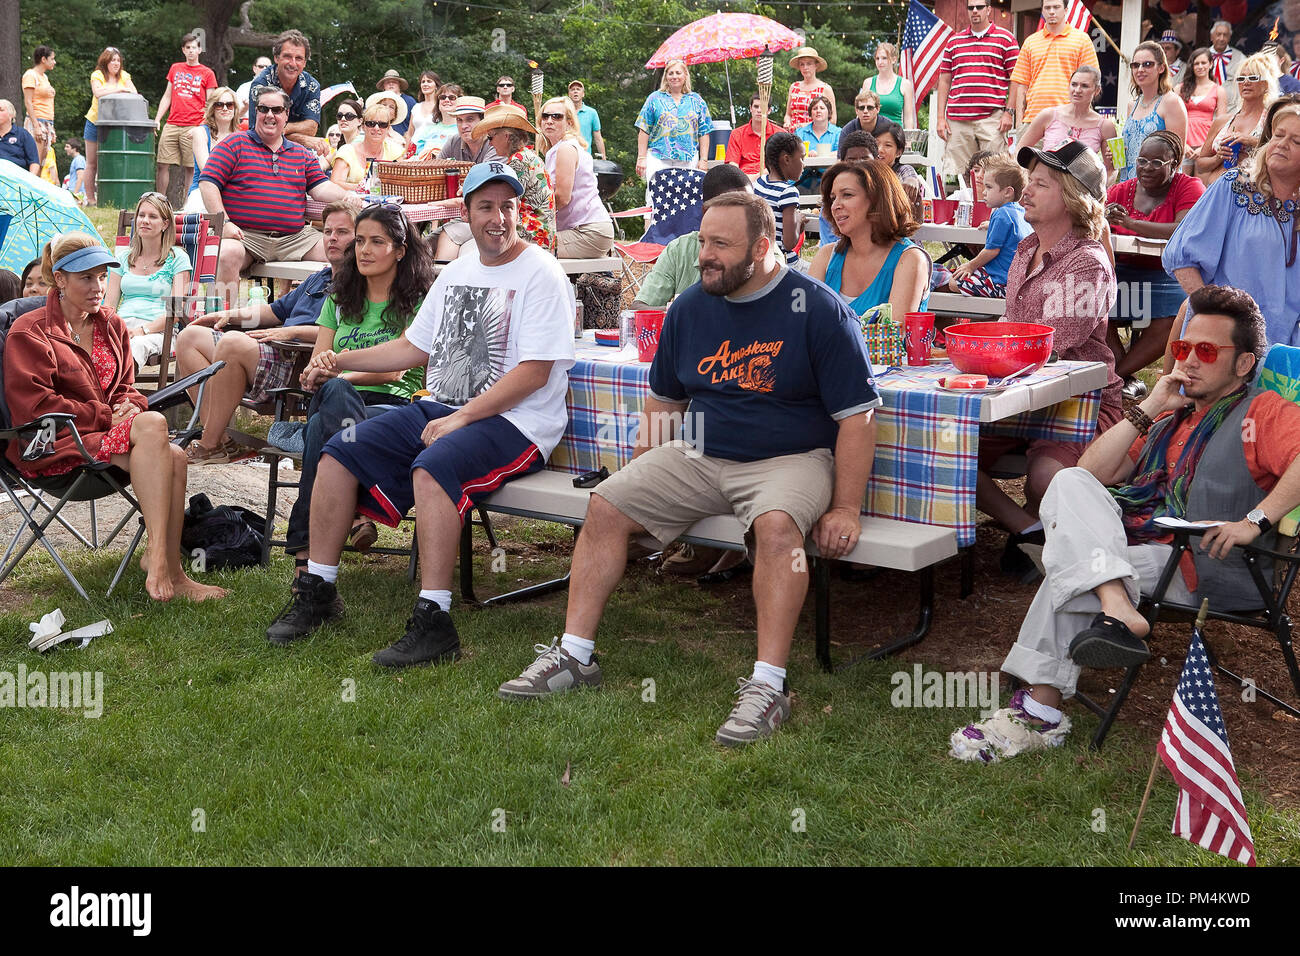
(578,647)
(769,675)
(329,573)
(440,598)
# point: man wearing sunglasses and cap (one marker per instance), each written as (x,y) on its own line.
(1179,454)
(495,334)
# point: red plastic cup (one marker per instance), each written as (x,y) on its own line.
(649,323)
(453,184)
(918,335)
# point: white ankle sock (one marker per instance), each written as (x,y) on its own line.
(769,675)
(578,647)
(440,598)
(329,573)
(1041,711)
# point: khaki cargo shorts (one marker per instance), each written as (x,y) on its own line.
(672,486)
(175,146)
(264,247)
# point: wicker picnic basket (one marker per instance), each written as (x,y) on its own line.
(420,181)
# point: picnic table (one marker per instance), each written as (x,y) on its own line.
(927,439)
(973,236)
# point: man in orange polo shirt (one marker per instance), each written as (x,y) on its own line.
(1048,59)
(742,147)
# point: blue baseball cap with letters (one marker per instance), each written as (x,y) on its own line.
(494,170)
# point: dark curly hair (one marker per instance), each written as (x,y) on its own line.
(1248,335)
(412,282)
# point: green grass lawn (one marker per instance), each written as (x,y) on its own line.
(215,747)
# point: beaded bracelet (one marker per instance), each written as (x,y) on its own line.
(1140,419)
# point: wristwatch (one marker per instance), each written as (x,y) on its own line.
(1258,518)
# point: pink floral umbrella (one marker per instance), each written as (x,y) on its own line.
(724,36)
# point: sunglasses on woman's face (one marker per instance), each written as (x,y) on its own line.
(1207,352)
(552,116)
(375,124)
(1144,163)
(1144,65)
(450,97)
(226,105)
(347,117)
(1249,78)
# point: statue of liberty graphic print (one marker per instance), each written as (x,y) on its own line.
(468,354)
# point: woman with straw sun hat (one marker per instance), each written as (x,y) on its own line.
(802,91)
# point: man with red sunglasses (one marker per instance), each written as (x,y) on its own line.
(1204,446)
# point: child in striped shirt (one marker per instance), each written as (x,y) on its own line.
(783,157)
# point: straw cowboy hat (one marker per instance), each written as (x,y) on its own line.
(399,104)
(810,53)
(392,75)
(501,117)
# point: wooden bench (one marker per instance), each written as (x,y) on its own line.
(954,303)
(886,543)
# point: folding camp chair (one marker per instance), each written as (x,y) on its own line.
(199,234)
(87,482)
(1266,609)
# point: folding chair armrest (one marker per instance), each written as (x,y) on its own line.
(60,421)
(289,390)
(174,394)
(292,346)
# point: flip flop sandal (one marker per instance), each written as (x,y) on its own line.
(1108,643)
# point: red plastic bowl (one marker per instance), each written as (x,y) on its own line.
(996,349)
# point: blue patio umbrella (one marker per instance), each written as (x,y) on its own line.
(37,211)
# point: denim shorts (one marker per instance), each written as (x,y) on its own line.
(90,134)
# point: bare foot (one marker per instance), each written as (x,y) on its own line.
(158,582)
(190,589)
(1135,622)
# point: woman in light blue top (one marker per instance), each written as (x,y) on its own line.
(150,269)
(1152,108)
(874,266)
(819,132)
(673,127)
(1243,232)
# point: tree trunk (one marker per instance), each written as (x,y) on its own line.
(222,37)
(11,58)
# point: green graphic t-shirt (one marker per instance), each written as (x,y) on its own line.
(370,331)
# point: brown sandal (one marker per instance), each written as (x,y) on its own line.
(363,536)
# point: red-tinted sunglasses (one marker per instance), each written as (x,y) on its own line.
(1207,352)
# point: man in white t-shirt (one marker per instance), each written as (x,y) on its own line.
(241,95)
(496,334)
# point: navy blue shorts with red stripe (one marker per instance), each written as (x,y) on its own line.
(468,464)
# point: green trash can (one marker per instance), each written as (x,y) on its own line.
(126,150)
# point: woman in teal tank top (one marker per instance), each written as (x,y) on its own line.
(874,266)
(897,98)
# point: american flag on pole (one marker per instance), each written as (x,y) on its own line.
(1194,746)
(1076,14)
(924,37)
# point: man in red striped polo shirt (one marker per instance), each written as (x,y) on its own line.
(974,77)
(260,180)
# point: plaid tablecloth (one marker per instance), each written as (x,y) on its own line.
(927,440)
